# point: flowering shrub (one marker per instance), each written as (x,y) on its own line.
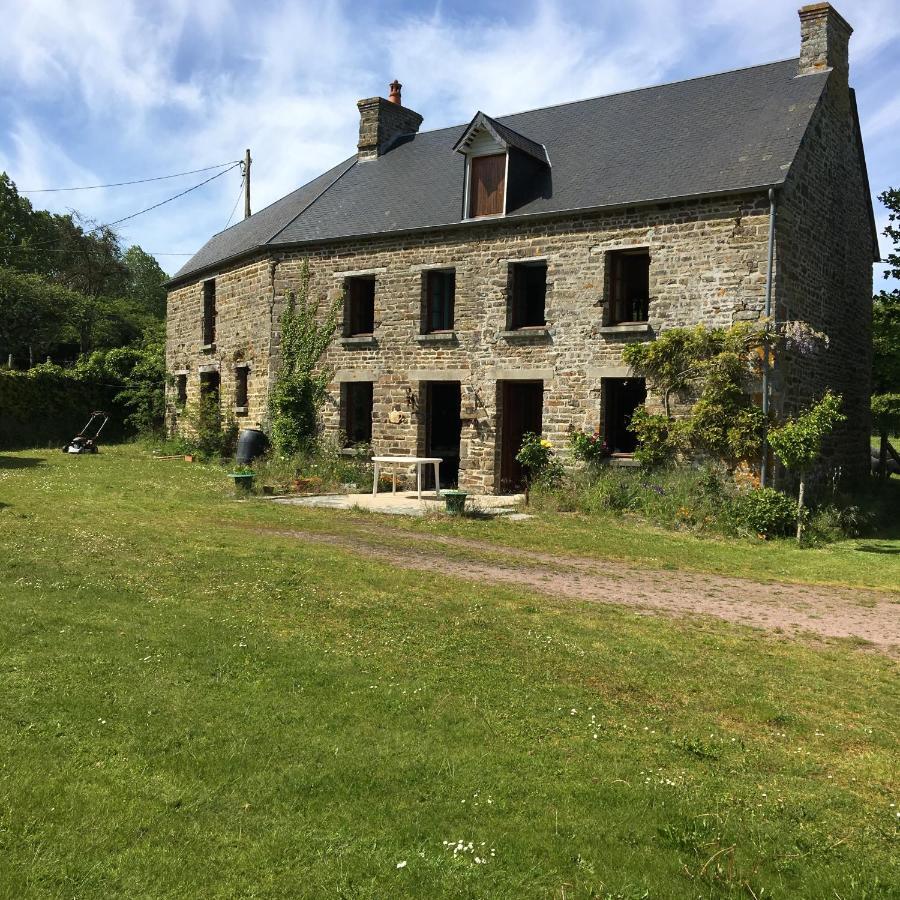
(589,447)
(538,460)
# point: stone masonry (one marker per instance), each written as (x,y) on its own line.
(708,264)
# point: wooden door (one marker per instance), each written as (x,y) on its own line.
(521,411)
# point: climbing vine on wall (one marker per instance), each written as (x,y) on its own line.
(300,386)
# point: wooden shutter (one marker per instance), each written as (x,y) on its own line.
(487,185)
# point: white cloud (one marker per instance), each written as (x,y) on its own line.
(104,90)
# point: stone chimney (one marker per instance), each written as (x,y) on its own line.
(382,121)
(824,40)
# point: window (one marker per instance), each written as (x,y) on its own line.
(440,294)
(209,312)
(528,292)
(356,409)
(629,286)
(241,375)
(359,306)
(487,185)
(209,385)
(181,389)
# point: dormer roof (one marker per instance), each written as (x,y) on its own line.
(505,136)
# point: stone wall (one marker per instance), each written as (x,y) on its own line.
(825,246)
(708,260)
(243,337)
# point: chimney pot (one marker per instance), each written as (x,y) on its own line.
(383,122)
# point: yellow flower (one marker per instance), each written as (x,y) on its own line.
(546,443)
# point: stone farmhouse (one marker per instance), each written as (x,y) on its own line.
(493,272)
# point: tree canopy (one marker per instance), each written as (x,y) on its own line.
(67,286)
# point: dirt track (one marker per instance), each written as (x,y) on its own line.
(790,609)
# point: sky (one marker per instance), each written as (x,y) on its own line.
(95,92)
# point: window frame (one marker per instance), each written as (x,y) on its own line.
(349,328)
(429,276)
(515,319)
(210,313)
(614,283)
(348,415)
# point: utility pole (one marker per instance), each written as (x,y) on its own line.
(247,162)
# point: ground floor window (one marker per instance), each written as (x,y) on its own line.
(356,412)
(620,398)
(181,389)
(209,385)
(241,377)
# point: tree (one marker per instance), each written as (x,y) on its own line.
(145,281)
(885,421)
(798,442)
(33,315)
(300,389)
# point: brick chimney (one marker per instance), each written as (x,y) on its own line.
(824,40)
(382,121)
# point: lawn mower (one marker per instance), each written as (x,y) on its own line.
(86,440)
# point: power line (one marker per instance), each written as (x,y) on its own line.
(164,202)
(38,249)
(234,208)
(94,187)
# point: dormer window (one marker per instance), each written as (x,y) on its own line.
(504,169)
(487,185)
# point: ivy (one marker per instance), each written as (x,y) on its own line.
(300,387)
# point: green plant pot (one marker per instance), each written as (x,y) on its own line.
(456,502)
(242,482)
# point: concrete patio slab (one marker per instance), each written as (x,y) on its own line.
(405,503)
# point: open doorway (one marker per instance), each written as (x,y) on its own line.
(442,430)
(520,409)
(621,397)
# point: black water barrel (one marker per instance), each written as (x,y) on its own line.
(250,444)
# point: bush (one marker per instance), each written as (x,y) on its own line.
(762,511)
(209,434)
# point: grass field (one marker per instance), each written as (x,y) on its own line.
(192,708)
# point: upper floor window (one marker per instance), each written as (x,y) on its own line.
(487,185)
(629,286)
(209,311)
(359,305)
(439,298)
(528,293)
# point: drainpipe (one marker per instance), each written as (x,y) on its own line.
(765,372)
(273,267)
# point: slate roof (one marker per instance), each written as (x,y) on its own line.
(734,131)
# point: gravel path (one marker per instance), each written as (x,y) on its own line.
(791,609)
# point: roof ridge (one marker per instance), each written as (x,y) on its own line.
(352,160)
(637,90)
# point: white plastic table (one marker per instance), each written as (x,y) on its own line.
(417,461)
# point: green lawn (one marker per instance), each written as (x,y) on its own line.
(192,708)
